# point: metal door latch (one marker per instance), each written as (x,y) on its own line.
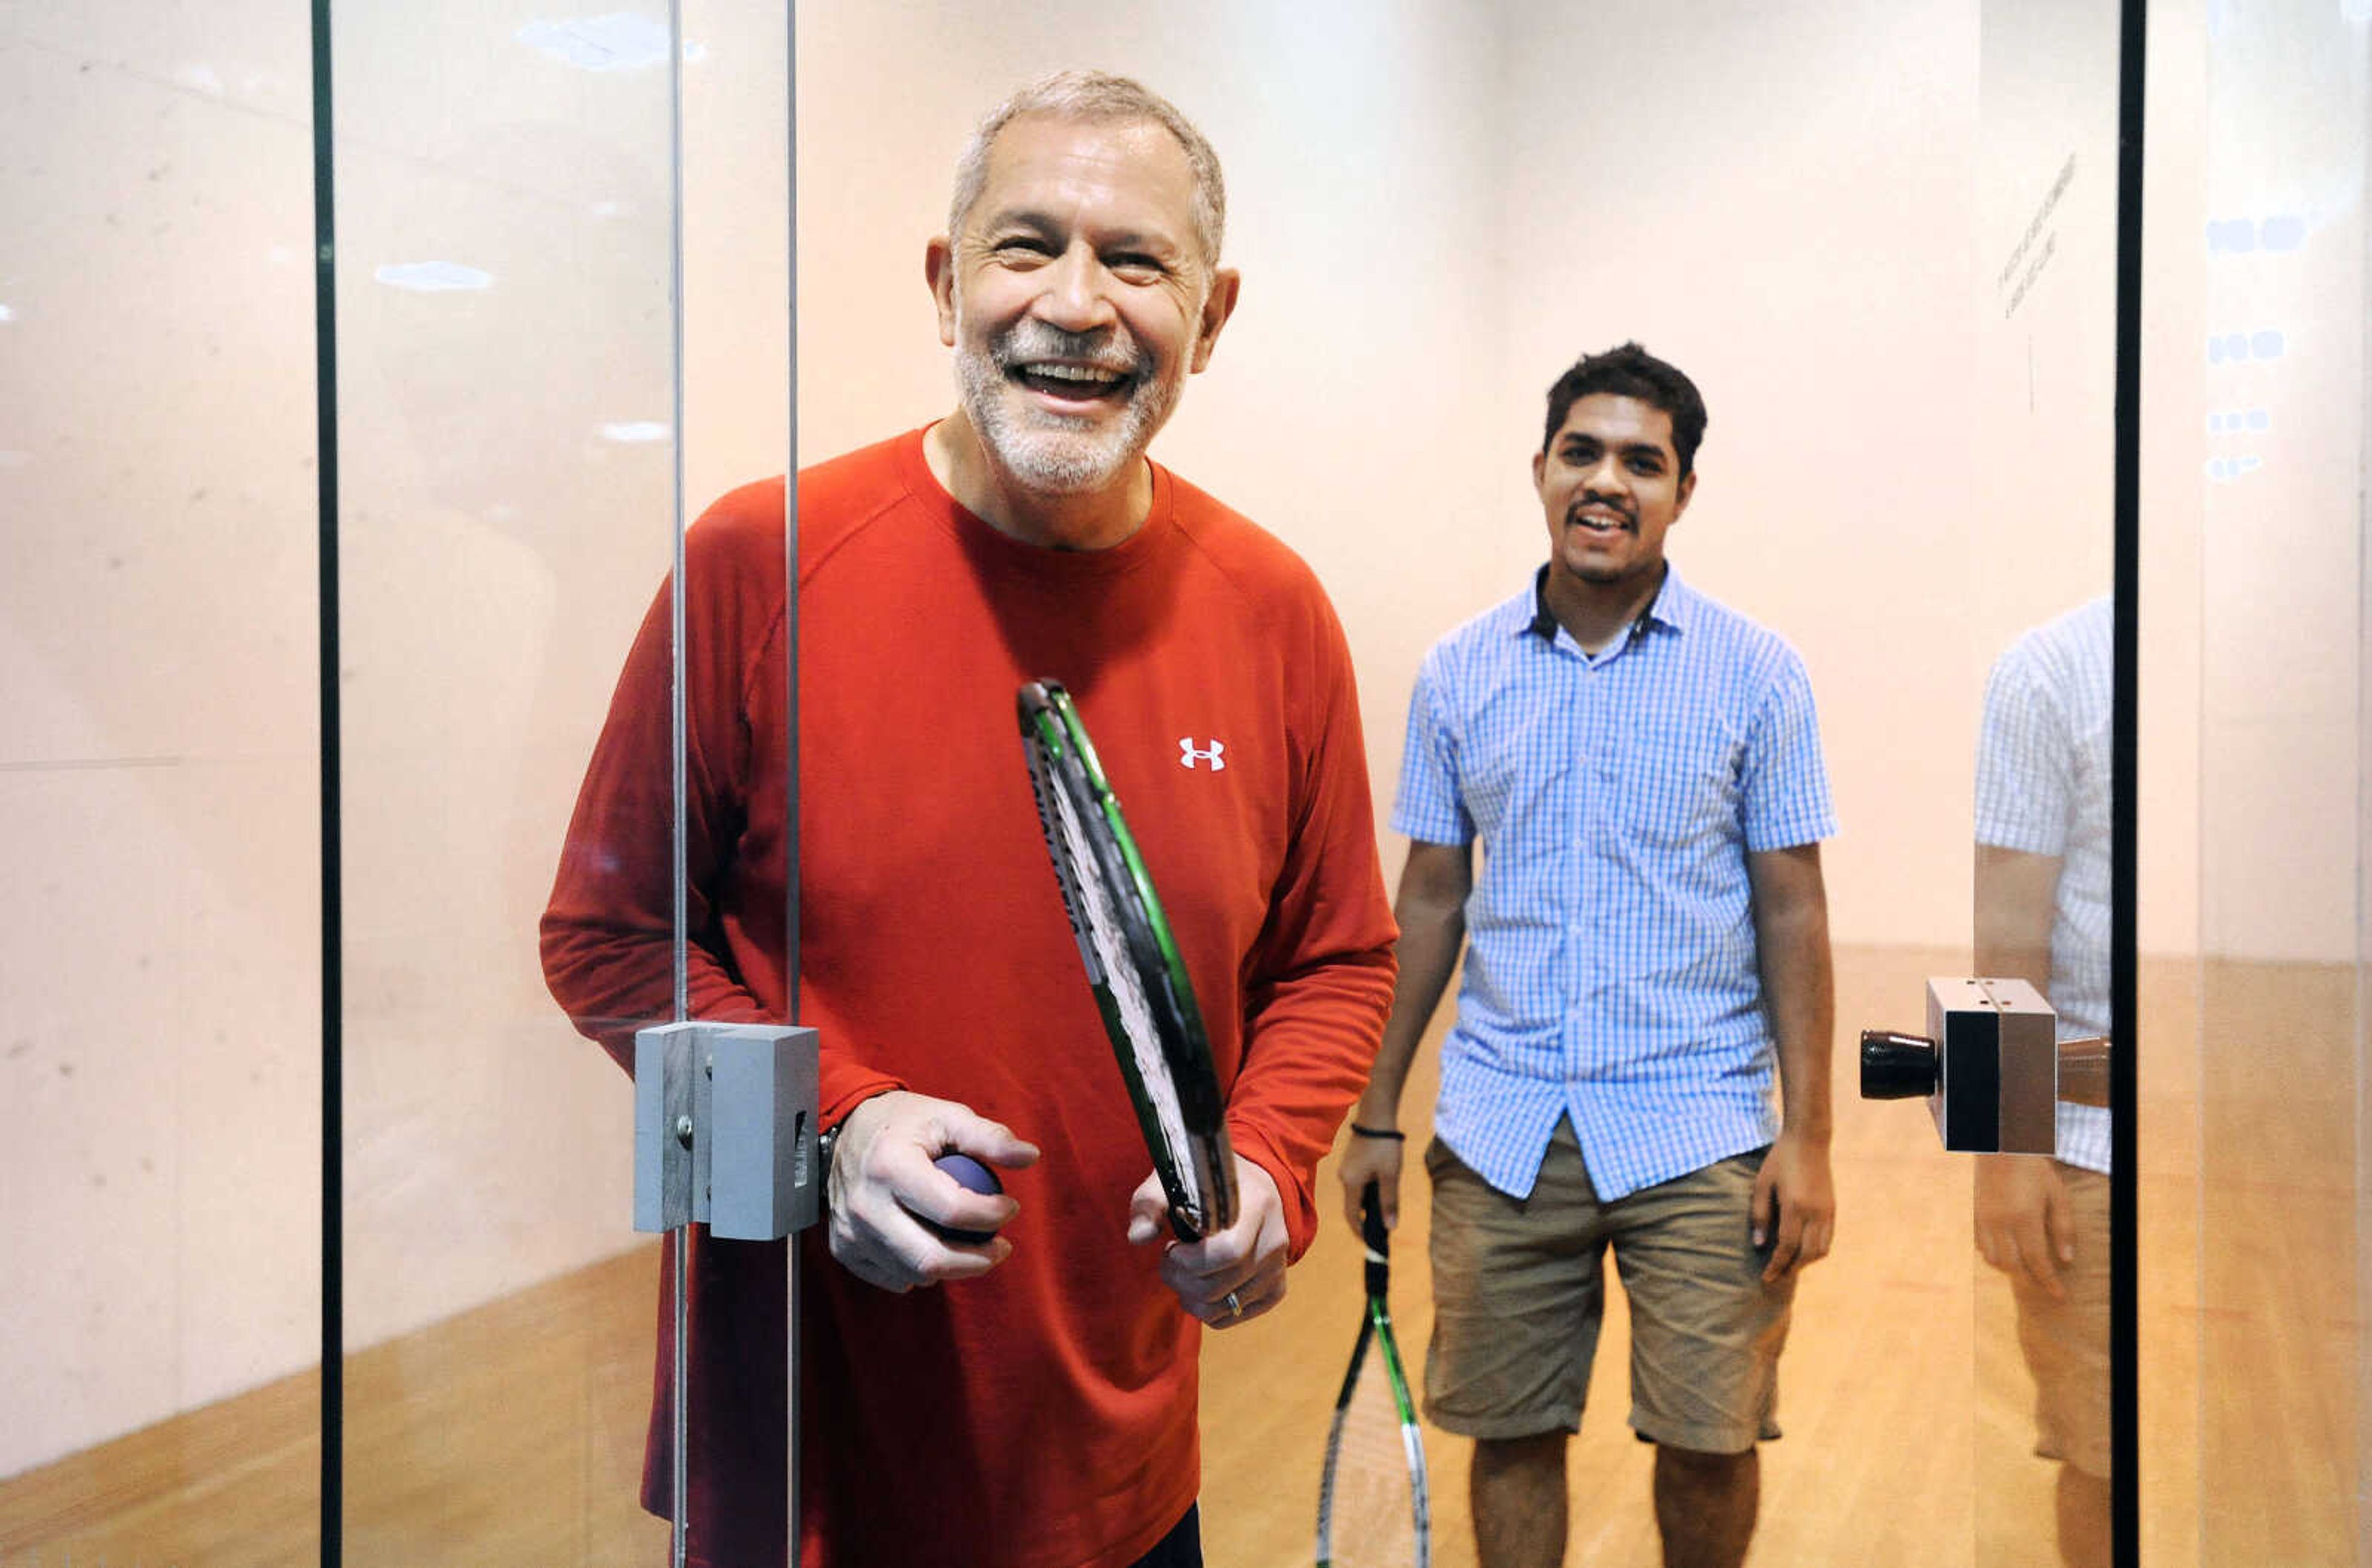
(1991,1066)
(724,1129)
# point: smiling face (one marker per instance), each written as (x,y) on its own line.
(1610,486)
(1077,297)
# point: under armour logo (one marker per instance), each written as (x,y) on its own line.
(1189,754)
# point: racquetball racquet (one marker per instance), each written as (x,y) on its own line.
(1140,982)
(1372,1507)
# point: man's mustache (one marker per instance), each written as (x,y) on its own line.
(1586,500)
(1029,341)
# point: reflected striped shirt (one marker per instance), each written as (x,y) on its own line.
(1611,971)
(2042,787)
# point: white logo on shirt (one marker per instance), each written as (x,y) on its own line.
(1189,754)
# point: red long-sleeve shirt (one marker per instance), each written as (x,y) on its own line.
(1044,1414)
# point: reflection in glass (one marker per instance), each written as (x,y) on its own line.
(2042,915)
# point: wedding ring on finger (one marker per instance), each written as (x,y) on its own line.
(1235,1304)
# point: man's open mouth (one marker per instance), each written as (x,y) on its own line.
(1603,524)
(1070,383)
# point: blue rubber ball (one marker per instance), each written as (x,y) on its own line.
(968,1172)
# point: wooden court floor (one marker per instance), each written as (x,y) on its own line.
(512,1435)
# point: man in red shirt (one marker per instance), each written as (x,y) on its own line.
(1037,1411)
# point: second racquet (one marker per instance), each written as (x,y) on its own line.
(1372,1505)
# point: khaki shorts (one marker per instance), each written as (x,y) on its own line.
(1520,1291)
(2067,1343)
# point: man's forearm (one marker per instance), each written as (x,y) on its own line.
(1310,1042)
(1791,929)
(2016,895)
(1804,1014)
(1430,937)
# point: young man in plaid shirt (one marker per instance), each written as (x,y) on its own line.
(1645,953)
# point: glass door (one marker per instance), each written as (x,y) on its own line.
(507,388)
(561,244)
(1883,241)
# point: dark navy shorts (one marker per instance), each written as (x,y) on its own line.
(1181,1547)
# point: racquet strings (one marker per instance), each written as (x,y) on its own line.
(1370,1491)
(1099,913)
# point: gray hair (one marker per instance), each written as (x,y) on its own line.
(1098,96)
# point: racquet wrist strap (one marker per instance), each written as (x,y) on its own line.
(826,1144)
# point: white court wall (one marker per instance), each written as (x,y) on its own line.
(1806,207)
(1432,216)
(1781,200)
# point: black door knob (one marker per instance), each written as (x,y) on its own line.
(1897,1066)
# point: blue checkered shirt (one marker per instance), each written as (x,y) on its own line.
(2042,787)
(1610,972)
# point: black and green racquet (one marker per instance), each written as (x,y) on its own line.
(1372,1509)
(1141,985)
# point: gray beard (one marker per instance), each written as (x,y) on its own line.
(1056,454)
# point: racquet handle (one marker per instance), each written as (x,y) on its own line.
(1378,1239)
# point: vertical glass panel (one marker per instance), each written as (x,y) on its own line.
(2281,782)
(159,1129)
(506,398)
(2046,358)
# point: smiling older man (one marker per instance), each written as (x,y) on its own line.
(1038,1410)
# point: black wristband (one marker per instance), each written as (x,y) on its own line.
(1394,1133)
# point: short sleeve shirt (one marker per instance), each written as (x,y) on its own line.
(1610,973)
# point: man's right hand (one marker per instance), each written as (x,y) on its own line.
(882,1177)
(2023,1225)
(1366,1159)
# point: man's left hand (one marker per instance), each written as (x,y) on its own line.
(1794,1194)
(1230,1276)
